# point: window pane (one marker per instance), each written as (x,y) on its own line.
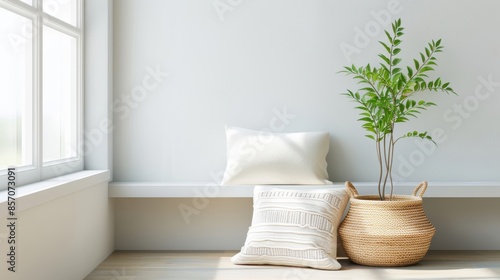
(59,95)
(16,125)
(29,2)
(64,10)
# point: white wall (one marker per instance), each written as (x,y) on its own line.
(64,239)
(270,55)
(98,84)
(184,69)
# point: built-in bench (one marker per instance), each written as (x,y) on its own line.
(38,193)
(206,216)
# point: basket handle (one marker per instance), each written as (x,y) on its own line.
(421,187)
(351,190)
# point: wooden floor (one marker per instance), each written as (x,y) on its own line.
(155,265)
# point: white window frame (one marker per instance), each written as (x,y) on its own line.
(40,170)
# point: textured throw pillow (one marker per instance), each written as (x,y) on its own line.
(260,157)
(294,226)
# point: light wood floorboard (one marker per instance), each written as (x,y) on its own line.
(156,265)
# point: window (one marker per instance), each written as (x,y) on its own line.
(41,104)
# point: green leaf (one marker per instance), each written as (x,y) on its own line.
(366,119)
(426,68)
(388,36)
(368,89)
(410,71)
(385,68)
(384,58)
(437,83)
(387,48)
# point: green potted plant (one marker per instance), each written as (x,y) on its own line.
(386,98)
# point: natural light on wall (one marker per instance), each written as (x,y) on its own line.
(41,98)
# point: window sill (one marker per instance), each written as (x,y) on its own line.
(200,189)
(32,195)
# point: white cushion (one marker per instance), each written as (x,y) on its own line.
(294,226)
(260,157)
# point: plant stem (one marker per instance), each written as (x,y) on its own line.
(389,147)
(379,158)
(386,167)
(391,160)
(387,152)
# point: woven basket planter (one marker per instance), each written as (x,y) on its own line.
(386,233)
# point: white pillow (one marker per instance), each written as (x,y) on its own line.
(261,157)
(294,226)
